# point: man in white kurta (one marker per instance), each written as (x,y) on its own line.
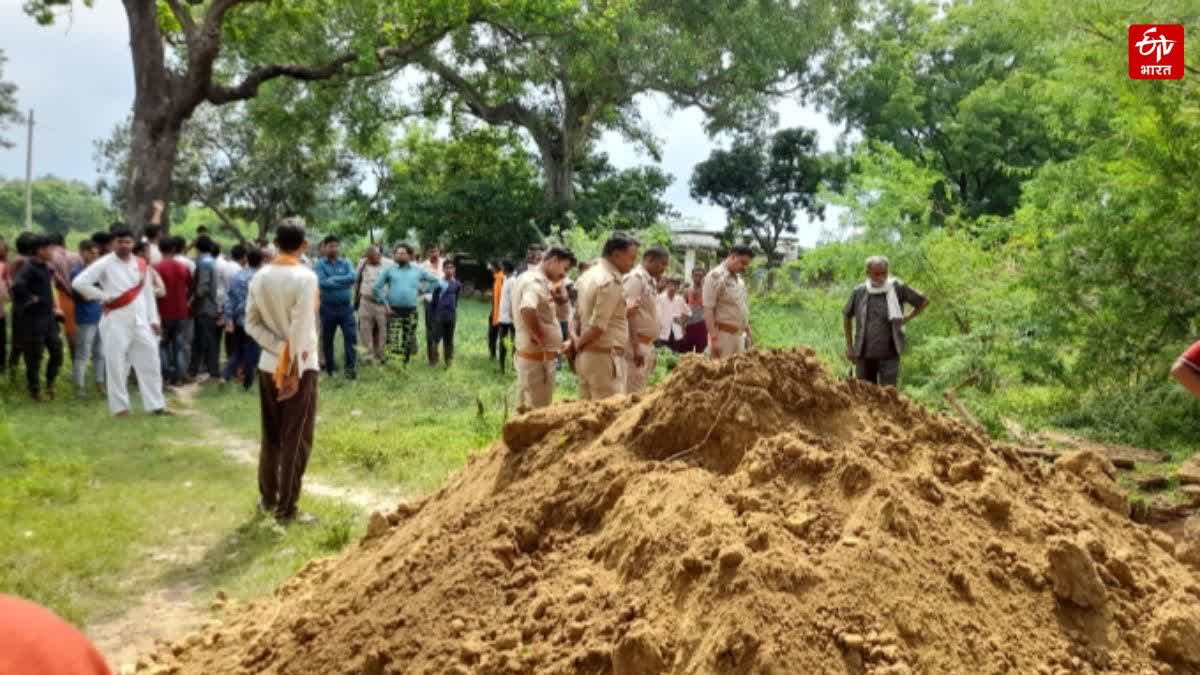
(130,327)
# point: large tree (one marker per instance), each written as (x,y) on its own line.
(237,166)
(564,76)
(764,184)
(187,53)
(8,104)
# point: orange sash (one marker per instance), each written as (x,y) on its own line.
(287,371)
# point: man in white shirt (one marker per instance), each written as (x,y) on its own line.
(506,310)
(672,313)
(130,328)
(281,316)
(433,265)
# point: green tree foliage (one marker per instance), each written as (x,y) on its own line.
(957,88)
(764,185)
(1112,232)
(8,104)
(59,206)
(477,193)
(627,199)
(577,68)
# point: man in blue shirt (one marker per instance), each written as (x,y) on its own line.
(87,327)
(336,277)
(445,310)
(399,289)
(247,351)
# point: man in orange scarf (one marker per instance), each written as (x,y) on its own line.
(494,323)
(281,316)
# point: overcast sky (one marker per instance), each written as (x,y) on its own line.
(77,77)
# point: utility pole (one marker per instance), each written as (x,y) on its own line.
(29,176)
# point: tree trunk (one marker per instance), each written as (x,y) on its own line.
(559,147)
(559,175)
(154,138)
(152,154)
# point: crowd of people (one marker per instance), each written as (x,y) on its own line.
(168,310)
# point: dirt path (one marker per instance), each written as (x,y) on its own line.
(172,608)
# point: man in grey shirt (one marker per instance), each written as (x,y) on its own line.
(874,323)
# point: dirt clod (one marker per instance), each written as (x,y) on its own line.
(747,516)
(1073,575)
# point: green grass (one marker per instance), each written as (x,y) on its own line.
(87,502)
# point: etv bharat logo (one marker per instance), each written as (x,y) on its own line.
(1156,51)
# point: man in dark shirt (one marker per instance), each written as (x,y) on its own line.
(874,323)
(445,311)
(173,312)
(206,309)
(33,292)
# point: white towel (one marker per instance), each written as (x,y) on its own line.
(895,313)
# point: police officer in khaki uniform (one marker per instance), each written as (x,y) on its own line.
(599,349)
(641,299)
(539,334)
(726,308)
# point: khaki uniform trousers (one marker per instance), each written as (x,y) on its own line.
(636,378)
(535,379)
(601,375)
(730,344)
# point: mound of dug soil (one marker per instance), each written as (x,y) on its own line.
(751,516)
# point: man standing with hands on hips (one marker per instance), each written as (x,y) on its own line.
(598,352)
(875,313)
(726,307)
(130,327)
(641,299)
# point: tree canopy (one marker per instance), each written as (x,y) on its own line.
(955,89)
(577,68)
(764,184)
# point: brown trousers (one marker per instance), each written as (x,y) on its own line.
(287,437)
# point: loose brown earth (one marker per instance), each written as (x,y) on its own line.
(751,516)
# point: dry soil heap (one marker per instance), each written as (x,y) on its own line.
(748,516)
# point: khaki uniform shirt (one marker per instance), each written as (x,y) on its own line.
(602,303)
(533,291)
(725,295)
(641,293)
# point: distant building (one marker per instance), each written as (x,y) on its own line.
(698,244)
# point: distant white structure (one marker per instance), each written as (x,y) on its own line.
(699,242)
